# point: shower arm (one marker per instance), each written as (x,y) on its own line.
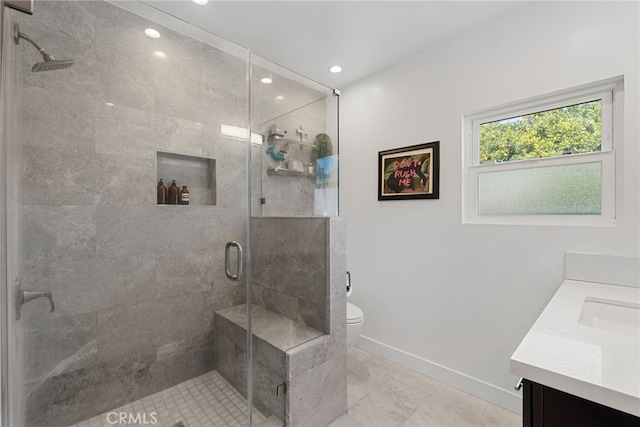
(17,35)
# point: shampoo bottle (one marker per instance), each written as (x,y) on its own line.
(162,193)
(174,193)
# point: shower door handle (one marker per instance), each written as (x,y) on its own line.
(227,260)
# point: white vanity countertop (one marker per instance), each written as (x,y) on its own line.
(599,363)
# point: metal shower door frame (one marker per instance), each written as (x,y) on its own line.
(11,401)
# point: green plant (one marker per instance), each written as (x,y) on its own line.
(324,145)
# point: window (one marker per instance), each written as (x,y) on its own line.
(546,160)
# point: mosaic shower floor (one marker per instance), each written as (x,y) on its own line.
(207,400)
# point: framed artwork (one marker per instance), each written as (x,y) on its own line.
(409,172)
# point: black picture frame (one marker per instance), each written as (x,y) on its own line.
(411,172)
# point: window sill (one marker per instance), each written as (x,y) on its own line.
(544,220)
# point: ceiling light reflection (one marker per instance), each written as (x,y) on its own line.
(150,32)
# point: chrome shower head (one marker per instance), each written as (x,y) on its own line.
(50,62)
(53,64)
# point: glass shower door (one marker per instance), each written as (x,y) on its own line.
(137,282)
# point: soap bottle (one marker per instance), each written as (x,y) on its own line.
(184,195)
(162,193)
(174,193)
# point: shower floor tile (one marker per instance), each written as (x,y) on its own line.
(207,400)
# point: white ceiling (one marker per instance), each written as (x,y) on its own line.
(360,36)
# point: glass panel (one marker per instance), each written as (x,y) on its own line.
(568,130)
(294,179)
(139,286)
(295,170)
(555,190)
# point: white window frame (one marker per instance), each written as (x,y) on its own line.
(611,93)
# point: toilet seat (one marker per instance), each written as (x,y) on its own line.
(354,314)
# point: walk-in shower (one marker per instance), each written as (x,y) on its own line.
(147,325)
(50,62)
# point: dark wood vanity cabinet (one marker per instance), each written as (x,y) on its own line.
(548,407)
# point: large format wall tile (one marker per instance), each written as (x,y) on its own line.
(316,370)
(58,119)
(149,324)
(81,394)
(231,186)
(195,100)
(224,294)
(126,180)
(278,302)
(290,262)
(124,81)
(92,284)
(122,129)
(182,360)
(128,230)
(58,233)
(320,394)
(64,20)
(54,345)
(55,176)
(184,272)
(222,69)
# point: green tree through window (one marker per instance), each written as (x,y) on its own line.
(569,130)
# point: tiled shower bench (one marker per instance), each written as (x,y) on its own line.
(275,341)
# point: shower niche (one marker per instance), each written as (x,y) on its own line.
(197,173)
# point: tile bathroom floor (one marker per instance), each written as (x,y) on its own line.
(384,394)
(205,401)
(380,393)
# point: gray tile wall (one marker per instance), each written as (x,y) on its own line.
(317,370)
(135,284)
(289,266)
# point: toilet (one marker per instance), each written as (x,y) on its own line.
(355,322)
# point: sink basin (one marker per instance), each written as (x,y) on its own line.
(620,316)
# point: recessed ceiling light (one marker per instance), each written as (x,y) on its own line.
(279,97)
(154,34)
(335,69)
(159,54)
(109,104)
(200,2)
(266,80)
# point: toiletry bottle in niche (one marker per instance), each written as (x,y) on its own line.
(162,193)
(184,195)
(174,193)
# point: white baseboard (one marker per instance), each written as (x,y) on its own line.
(498,396)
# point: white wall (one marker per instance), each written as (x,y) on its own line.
(455,300)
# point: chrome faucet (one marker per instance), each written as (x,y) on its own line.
(22,297)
